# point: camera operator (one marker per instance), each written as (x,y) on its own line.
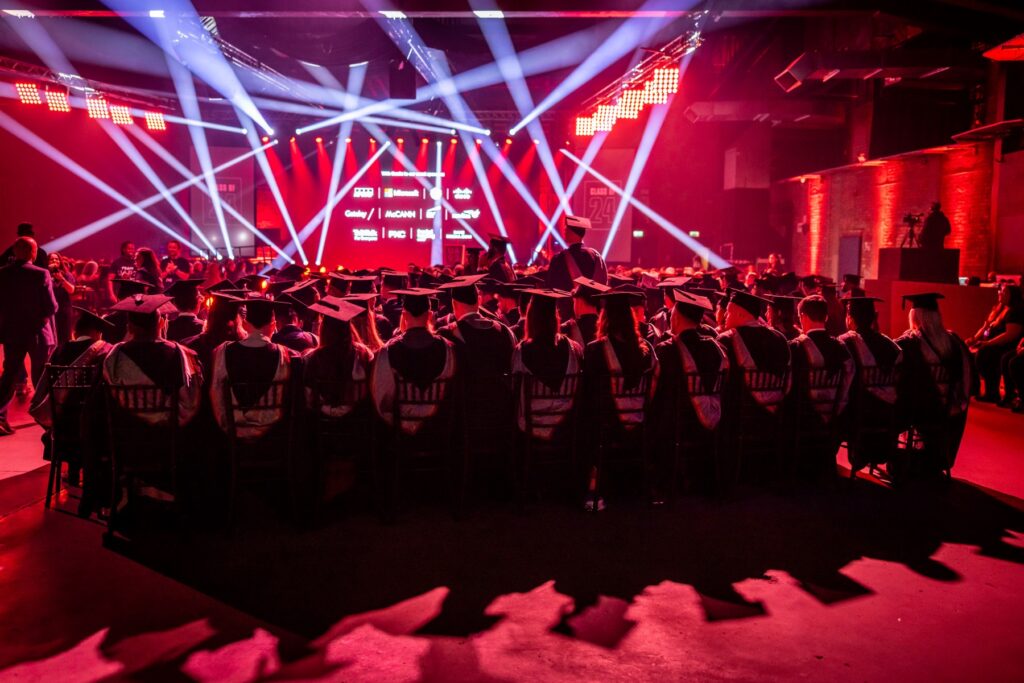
(936,227)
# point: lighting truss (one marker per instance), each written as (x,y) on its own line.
(650,82)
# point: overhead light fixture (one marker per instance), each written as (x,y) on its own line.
(19,13)
(155,121)
(489,14)
(120,115)
(28,93)
(57,100)
(96,105)
(157,14)
(392,14)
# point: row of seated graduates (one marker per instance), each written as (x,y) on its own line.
(670,395)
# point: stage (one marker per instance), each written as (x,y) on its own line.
(858,583)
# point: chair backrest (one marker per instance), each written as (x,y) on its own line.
(629,400)
(941,374)
(545,407)
(417,403)
(770,387)
(70,386)
(142,421)
(703,383)
(273,404)
(878,377)
(337,398)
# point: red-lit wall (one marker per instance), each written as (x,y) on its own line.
(869,200)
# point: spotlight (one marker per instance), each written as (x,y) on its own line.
(392,14)
(373,141)
(155,121)
(348,139)
(400,141)
(489,13)
(28,93)
(424,140)
(291,139)
(120,115)
(265,139)
(536,141)
(479,141)
(508,141)
(454,141)
(97,107)
(57,100)
(319,139)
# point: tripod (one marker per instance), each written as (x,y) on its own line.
(910,237)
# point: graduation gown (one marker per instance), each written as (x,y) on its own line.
(501,271)
(755,347)
(875,405)
(611,366)
(82,352)
(420,356)
(582,330)
(295,338)
(258,363)
(550,365)
(820,350)
(339,368)
(157,363)
(185,326)
(687,352)
(483,346)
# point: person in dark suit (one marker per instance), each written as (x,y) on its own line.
(26,230)
(27,306)
(577,260)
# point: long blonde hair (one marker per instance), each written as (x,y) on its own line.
(929,325)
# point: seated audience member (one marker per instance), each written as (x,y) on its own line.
(483,346)
(223,324)
(582,328)
(391,306)
(547,355)
(416,355)
(937,409)
(339,359)
(661,320)
(998,336)
(256,369)
(186,324)
(365,326)
(687,352)
(814,350)
(146,358)
(1013,377)
(782,315)
(869,349)
(752,346)
(509,314)
(494,262)
(289,332)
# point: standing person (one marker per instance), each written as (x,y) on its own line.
(63,288)
(935,229)
(939,410)
(27,306)
(174,266)
(576,261)
(147,269)
(123,266)
(25,230)
(495,262)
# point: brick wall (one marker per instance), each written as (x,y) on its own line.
(870,199)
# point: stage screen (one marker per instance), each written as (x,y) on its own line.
(394,213)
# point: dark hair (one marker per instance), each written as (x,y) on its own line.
(1016,295)
(864,317)
(335,333)
(149,260)
(221,323)
(617,321)
(25,230)
(170,242)
(125,244)
(814,307)
(542,321)
(259,316)
(187,301)
(146,323)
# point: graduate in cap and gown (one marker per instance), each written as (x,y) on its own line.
(186,324)
(340,359)
(661,320)
(937,409)
(147,358)
(816,349)
(752,345)
(782,316)
(390,305)
(123,287)
(417,355)
(253,364)
(576,260)
(365,326)
(495,262)
(869,349)
(581,327)
(547,355)
(483,345)
(289,330)
(685,351)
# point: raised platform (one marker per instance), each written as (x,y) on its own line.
(963,309)
(919,265)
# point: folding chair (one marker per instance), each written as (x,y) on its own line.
(756,428)
(344,429)
(816,394)
(873,431)
(70,389)
(549,437)
(690,436)
(931,431)
(622,426)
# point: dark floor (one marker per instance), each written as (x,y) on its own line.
(855,582)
